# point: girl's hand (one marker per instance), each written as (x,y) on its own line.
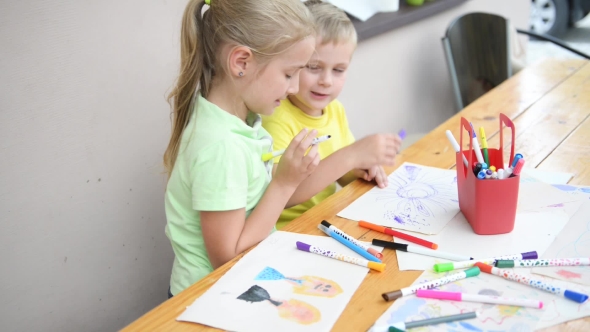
(295,165)
(378,149)
(375,173)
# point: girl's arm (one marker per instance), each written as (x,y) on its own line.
(379,149)
(229,233)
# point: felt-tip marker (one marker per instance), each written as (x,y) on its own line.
(269,155)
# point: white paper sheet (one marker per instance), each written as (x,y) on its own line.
(533,231)
(548,176)
(556,309)
(535,195)
(573,241)
(305,291)
(418,198)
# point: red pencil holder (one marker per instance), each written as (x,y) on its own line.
(488,205)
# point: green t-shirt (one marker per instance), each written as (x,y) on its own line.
(218,168)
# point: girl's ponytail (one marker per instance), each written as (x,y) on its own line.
(193,71)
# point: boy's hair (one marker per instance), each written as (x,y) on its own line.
(267,27)
(331,23)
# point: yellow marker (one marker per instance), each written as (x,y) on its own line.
(484,145)
(269,155)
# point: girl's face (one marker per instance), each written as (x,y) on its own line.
(279,78)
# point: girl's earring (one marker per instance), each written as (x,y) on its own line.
(240,74)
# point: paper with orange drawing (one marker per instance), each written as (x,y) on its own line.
(276,287)
(556,309)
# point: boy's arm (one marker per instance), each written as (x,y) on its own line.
(347,178)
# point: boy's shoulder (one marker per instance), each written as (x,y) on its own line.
(335,108)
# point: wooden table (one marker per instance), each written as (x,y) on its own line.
(550,106)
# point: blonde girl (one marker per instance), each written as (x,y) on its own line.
(239,59)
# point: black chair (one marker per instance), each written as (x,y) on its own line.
(477,50)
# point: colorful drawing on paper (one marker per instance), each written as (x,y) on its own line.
(306,285)
(418,198)
(580,190)
(491,317)
(292,309)
(276,287)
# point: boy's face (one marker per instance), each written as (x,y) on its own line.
(323,78)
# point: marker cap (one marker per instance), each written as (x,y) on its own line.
(574,296)
(443,267)
(302,246)
(484,267)
(530,255)
(392,295)
(502,263)
(472,272)
(402,134)
(377,266)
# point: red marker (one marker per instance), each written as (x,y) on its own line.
(400,235)
(517,168)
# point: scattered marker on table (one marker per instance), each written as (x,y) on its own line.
(534,282)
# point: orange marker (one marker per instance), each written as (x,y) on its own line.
(400,235)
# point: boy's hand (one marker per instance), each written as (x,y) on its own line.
(375,173)
(378,149)
(295,164)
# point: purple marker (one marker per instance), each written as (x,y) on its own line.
(334,255)
(402,134)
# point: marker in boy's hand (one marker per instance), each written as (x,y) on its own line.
(373,151)
(295,164)
(378,149)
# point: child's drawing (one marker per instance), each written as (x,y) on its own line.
(294,291)
(306,285)
(491,317)
(418,198)
(572,241)
(293,310)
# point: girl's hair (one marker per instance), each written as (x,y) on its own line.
(332,23)
(267,27)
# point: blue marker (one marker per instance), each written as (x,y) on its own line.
(349,244)
(481,175)
(515,160)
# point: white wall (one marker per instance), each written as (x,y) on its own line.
(400,79)
(83,126)
(84,123)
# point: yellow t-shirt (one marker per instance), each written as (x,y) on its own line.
(287,121)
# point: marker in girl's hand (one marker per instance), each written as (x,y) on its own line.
(269,155)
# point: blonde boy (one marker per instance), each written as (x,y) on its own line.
(315,106)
